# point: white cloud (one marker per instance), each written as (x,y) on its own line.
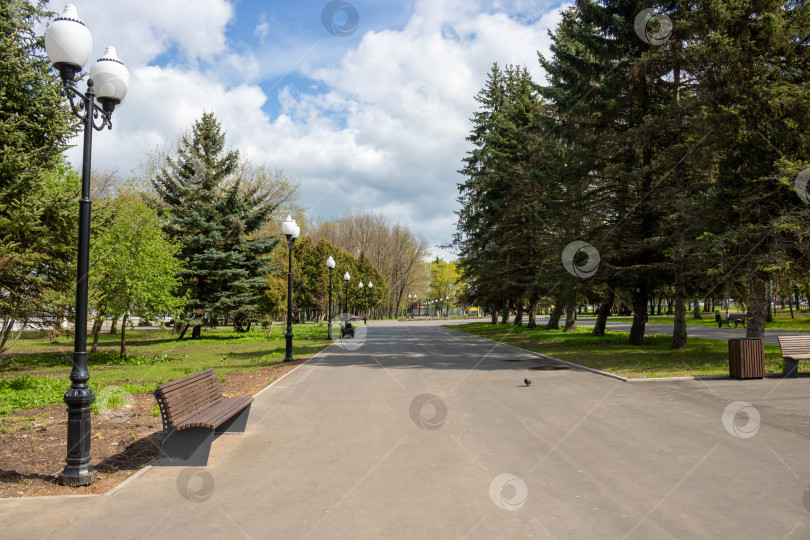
(144,31)
(356,144)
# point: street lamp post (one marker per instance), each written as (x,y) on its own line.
(368,288)
(346,278)
(69,44)
(330,264)
(291,231)
(364,306)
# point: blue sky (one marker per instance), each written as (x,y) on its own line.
(371,116)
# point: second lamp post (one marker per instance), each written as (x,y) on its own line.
(330,264)
(291,231)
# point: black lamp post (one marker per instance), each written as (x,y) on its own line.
(330,264)
(291,231)
(364,304)
(69,44)
(346,278)
(368,288)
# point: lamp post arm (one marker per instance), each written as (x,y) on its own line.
(87,102)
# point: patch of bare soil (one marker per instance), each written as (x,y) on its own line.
(32,452)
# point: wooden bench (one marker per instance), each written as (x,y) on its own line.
(736,318)
(193,410)
(794,348)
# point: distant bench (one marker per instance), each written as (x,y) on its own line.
(193,410)
(736,318)
(794,348)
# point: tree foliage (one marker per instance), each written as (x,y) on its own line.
(38,212)
(675,158)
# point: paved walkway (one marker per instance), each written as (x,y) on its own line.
(345,447)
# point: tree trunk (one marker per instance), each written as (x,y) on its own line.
(639,315)
(758,306)
(603,312)
(571,313)
(505,313)
(8,324)
(124,336)
(494,315)
(196,333)
(114,325)
(519,314)
(679,335)
(8,331)
(556,313)
(182,332)
(96,331)
(790,302)
(696,310)
(532,313)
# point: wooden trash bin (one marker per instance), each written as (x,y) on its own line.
(746,358)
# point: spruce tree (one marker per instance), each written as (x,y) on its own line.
(215,218)
(38,212)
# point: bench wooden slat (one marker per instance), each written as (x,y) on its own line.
(188,406)
(201,396)
(190,379)
(217,415)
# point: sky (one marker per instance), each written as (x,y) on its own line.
(366,103)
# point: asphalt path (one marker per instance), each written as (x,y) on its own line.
(419,431)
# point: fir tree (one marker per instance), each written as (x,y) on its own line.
(215,218)
(38,212)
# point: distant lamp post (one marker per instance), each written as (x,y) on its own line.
(330,264)
(368,288)
(69,44)
(291,231)
(346,278)
(361,289)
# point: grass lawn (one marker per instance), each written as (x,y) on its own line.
(39,376)
(612,353)
(781,321)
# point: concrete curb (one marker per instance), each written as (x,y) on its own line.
(596,371)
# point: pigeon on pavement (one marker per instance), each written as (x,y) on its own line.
(527,381)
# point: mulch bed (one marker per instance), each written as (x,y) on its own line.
(32,453)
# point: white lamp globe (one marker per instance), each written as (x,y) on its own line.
(296,232)
(110,78)
(288,226)
(370,285)
(346,276)
(68,41)
(330,262)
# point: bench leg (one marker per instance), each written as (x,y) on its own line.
(790,370)
(186,448)
(235,424)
